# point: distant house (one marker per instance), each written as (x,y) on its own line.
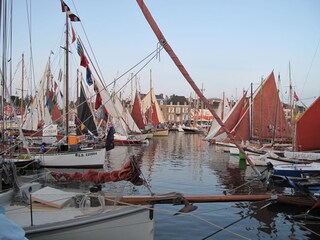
(176,109)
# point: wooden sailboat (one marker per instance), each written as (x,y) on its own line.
(71,152)
(260,120)
(153,113)
(217,135)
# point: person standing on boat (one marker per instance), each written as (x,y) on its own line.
(42,148)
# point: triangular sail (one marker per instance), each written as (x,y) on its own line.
(85,116)
(36,113)
(269,120)
(231,119)
(137,113)
(308,129)
(108,103)
(149,103)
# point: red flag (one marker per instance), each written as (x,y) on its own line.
(73,35)
(64,7)
(74,18)
(98,101)
(295,96)
(84,61)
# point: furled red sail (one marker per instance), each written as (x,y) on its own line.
(130,172)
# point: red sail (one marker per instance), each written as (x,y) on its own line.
(235,115)
(56,114)
(269,120)
(308,129)
(130,172)
(137,113)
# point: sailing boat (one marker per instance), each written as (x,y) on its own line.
(230,121)
(70,151)
(153,113)
(193,128)
(260,121)
(42,117)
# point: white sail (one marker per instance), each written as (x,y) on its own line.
(36,111)
(108,103)
(146,103)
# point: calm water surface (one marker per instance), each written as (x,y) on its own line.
(187,164)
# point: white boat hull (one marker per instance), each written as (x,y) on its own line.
(114,224)
(80,159)
(71,222)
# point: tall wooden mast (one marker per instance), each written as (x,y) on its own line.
(67,76)
(22,83)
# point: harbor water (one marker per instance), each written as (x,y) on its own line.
(186,164)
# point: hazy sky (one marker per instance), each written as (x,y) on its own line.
(224,45)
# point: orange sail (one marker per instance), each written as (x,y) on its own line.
(230,120)
(137,113)
(268,118)
(308,129)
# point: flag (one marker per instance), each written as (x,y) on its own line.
(79,47)
(98,101)
(73,35)
(74,18)
(295,96)
(64,7)
(104,114)
(84,61)
(89,76)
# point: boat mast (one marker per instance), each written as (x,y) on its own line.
(292,120)
(67,76)
(4,59)
(151,109)
(22,82)
(251,112)
(276,115)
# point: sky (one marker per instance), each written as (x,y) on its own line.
(224,45)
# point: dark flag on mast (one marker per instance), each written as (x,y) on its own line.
(74,18)
(64,7)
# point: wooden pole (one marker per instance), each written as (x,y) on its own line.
(179,199)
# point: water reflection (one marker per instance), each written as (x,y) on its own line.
(186,163)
